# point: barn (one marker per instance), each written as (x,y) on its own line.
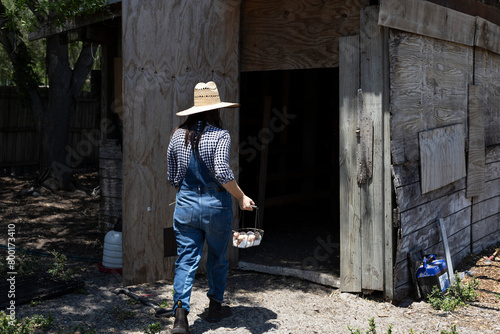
(362,125)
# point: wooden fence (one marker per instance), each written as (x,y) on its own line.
(20,142)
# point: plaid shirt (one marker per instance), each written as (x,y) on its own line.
(214,147)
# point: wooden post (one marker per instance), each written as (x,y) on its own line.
(350,230)
(373,216)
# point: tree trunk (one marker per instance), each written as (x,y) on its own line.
(65,85)
(56,120)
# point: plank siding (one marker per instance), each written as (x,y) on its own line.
(485,208)
(166,51)
(486,74)
(477,151)
(373,197)
(350,228)
(295,34)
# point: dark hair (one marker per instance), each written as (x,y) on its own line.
(211,117)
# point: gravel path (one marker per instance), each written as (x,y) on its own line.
(260,303)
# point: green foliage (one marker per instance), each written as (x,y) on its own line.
(164,304)
(30,14)
(373,330)
(58,270)
(24,326)
(457,295)
(153,328)
(24,16)
(453,330)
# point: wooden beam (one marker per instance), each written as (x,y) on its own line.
(373,197)
(472,7)
(309,275)
(487,35)
(350,229)
(477,151)
(388,189)
(428,19)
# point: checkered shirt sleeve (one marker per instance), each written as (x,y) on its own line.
(214,148)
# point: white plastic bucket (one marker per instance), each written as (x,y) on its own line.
(113,251)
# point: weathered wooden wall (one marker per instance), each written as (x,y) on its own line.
(486,207)
(19,142)
(295,34)
(487,75)
(429,83)
(168,47)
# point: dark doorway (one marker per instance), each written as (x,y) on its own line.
(295,113)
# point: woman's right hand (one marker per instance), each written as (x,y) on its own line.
(246,203)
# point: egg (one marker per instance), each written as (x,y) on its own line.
(251,237)
(236,235)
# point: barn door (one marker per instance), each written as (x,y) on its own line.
(365,178)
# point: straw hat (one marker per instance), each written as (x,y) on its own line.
(206,97)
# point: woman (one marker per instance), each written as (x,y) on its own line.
(198,166)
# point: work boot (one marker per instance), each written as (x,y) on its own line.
(181,325)
(216,311)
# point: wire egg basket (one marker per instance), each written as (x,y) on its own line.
(246,237)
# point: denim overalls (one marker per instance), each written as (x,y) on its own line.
(203,212)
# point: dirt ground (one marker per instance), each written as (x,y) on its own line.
(68,222)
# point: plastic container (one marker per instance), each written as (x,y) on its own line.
(113,250)
(434,272)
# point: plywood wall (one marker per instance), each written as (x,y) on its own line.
(168,46)
(295,34)
(429,85)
